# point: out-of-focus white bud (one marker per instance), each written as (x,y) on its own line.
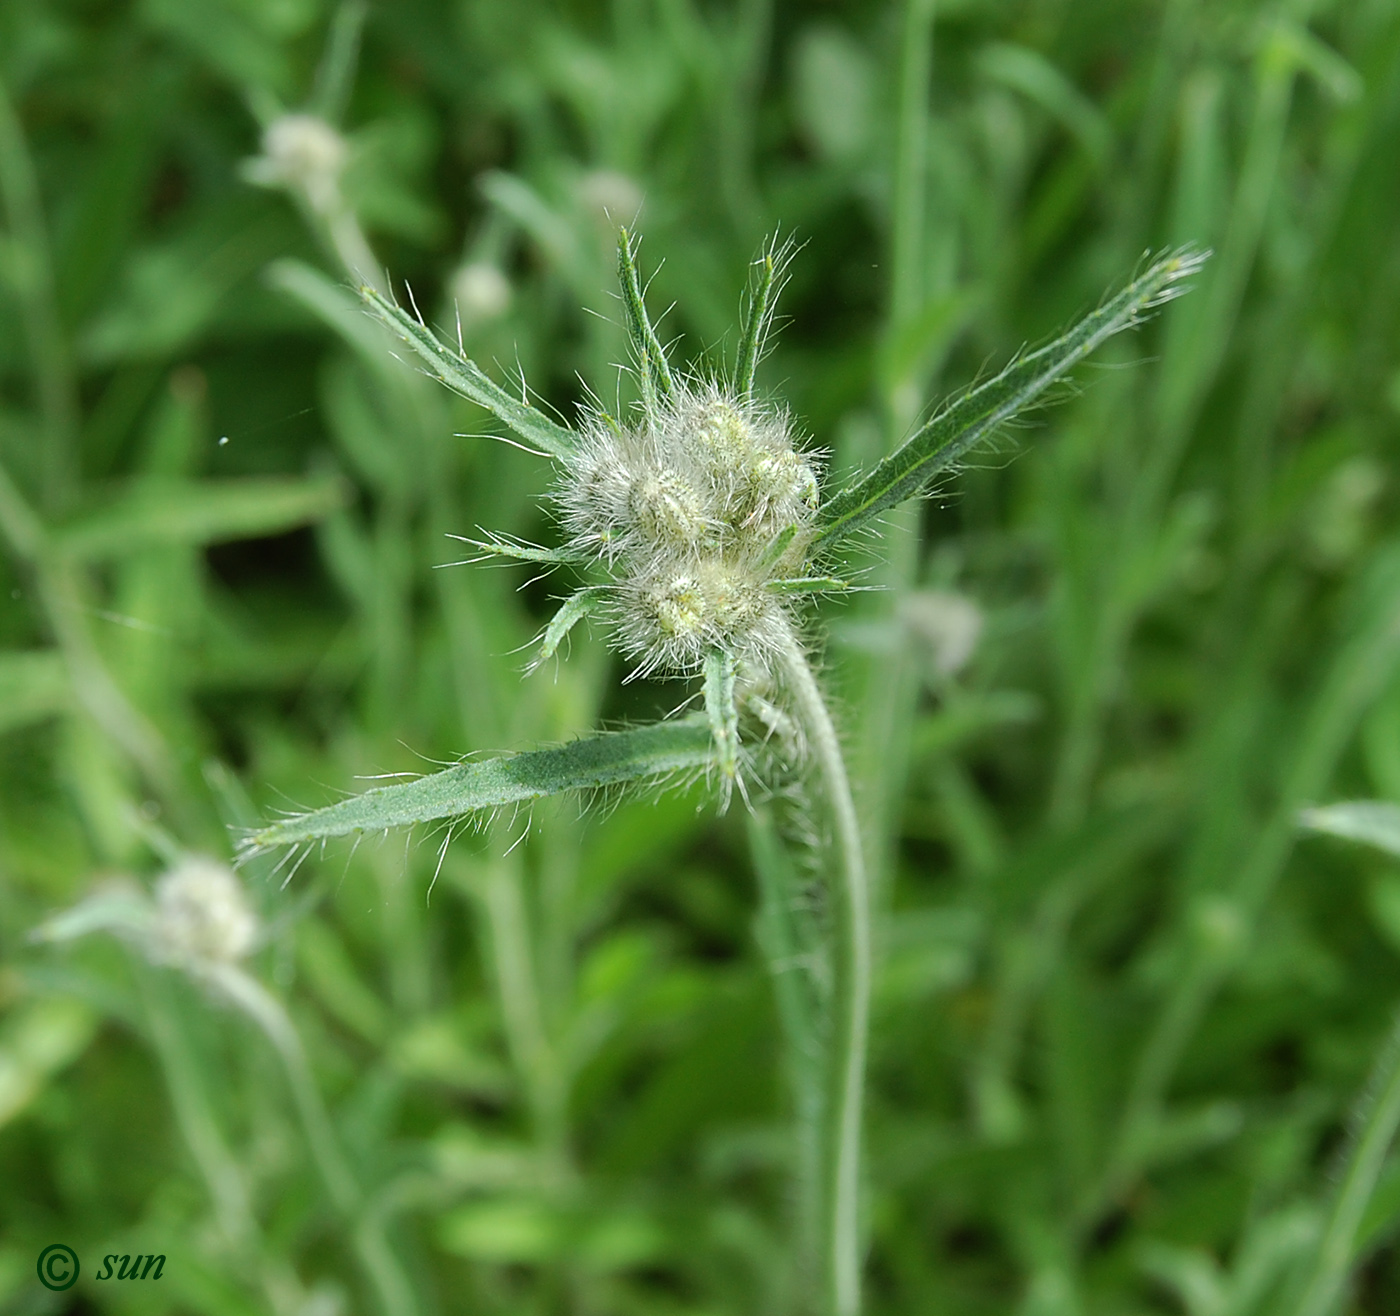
(610,196)
(481,292)
(305,154)
(202,914)
(948,624)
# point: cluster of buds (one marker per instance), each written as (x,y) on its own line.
(700,514)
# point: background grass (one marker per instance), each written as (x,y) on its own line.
(1122,1013)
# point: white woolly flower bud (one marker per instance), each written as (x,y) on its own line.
(305,153)
(202,915)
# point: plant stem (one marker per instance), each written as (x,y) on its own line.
(850,996)
(223,1176)
(1377,1117)
(366,1232)
(193,1114)
(787,952)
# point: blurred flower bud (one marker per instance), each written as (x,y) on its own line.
(481,292)
(305,154)
(202,915)
(947,625)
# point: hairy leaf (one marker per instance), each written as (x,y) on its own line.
(771,267)
(966,421)
(609,758)
(519,552)
(810,585)
(464,376)
(652,369)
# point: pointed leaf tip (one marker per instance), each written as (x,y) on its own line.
(974,415)
(462,375)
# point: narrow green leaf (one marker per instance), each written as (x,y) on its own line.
(609,758)
(33,686)
(335,75)
(116,908)
(521,552)
(574,610)
(464,376)
(655,374)
(758,314)
(969,419)
(723,717)
(778,545)
(199,512)
(1373,822)
(811,585)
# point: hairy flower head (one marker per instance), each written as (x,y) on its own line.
(696,512)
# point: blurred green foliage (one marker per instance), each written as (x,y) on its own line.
(1122,1011)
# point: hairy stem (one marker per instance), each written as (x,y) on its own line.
(787,950)
(850,995)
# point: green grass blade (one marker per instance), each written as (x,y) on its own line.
(652,369)
(1374,1126)
(610,758)
(464,376)
(336,307)
(33,685)
(1374,822)
(970,419)
(199,512)
(793,958)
